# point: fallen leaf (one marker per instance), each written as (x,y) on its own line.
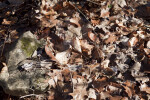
(86,47)
(92,94)
(95,21)
(76,44)
(104,95)
(141,34)
(145,88)
(105,63)
(128,91)
(100,83)
(63,57)
(112,38)
(147,51)
(148,44)
(75,21)
(133,41)
(50,53)
(105,13)
(7,22)
(92,36)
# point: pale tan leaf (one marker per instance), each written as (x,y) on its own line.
(76,44)
(63,57)
(86,47)
(104,13)
(75,21)
(92,36)
(133,41)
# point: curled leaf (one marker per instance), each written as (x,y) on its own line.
(133,41)
(92,36)
(75,21)
(49,53)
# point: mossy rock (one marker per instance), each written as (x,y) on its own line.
(22,49)
(29,45)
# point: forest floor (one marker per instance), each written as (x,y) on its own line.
(100,47)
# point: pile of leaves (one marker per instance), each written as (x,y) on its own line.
(100,49)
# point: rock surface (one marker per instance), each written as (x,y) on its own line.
(23,49)
(18,83)
(22,82)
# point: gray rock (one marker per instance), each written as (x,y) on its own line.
(22,49)
(32,79)
(19,83)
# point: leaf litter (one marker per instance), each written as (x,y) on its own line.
(99,49)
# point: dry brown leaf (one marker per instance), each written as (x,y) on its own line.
(147,51)
(79,93)
(47,22)
(8,22)
(93,66)
(4,69)
(105,13)
(142,34)
(63,57)
(119,23)
(100,83)
(92,36)
(133,41)
(145,88)
(66,74)
(105,63)
(112,38)
(75,58)
(50,53)
(86,47)
(2,32)
(92,94)
(97,54)
(108,71)
(95,21)
(116,98)
(128,91)
(4,72)
(75,21)
(116,85)
(148,44)
(104,95)
(128,83)
(112,89)
(50,12)
(76,44)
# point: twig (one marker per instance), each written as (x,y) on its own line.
(71,81)
(28,95)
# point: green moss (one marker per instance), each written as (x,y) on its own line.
(29,45)
(109,6)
